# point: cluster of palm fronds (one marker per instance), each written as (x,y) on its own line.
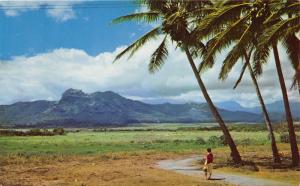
(251,29)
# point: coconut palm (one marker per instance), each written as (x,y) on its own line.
(282,30)
(254,14)
(176,25)
(230,32)
(285,30)
(293,43)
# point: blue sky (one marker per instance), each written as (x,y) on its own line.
(34,31)
(48,47)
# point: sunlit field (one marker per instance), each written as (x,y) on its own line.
(84,141)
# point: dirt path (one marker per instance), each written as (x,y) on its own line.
(185,166)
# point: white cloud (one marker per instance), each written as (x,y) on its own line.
(48,75)
(59,10)
(62,15)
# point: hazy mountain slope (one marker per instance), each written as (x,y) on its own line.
(76,108)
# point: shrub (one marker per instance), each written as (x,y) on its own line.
(246,141)
(34,132)
(284,138)
(160,141)
(214,140)
(59,131)
(223,140)
(200,141)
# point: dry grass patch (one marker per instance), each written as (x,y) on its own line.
(111,169)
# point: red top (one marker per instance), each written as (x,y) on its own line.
(209,158)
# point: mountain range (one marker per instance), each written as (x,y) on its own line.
(79,109)
(276,107)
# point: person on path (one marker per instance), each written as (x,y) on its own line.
(208,164)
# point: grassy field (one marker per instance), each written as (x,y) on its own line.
(88,142)
(128,152)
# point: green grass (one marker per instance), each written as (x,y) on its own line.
(88,142)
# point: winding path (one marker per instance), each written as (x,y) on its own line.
(185,166)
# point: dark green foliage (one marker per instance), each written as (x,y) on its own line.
(223,140)
(214,141)
(58,131)
(284,138)
(200,141)
(33,132)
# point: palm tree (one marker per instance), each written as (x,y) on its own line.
(255,13)
(292,43)
(281,30)
(176,24)
(229,33)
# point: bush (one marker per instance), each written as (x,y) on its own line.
(214,140)
(223,140)
(246,141)
(284,138)
(200,141)
(59,131)
(33,132)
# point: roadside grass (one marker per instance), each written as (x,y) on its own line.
(88,142)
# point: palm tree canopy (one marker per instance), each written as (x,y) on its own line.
(176,22)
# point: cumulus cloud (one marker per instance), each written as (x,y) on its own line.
(48,75)
(59,10)
(62,14)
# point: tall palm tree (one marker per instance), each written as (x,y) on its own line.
(293,43)
(176,25)
(230,32)
(256,13)
(285,30)
(281,30)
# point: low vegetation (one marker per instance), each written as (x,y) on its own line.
(33,132)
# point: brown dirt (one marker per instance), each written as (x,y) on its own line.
(105,170)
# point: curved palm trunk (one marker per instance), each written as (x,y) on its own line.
(234,152)
(276,157)
(289,118)
(298,77)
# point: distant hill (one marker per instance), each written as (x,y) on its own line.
(78,109)
(276,109)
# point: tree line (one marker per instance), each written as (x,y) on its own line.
(204,28)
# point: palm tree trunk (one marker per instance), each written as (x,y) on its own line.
(234,152)
(276,157)
(289,118)
(298,77)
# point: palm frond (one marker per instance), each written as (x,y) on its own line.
(292,45)
(277,31)
(139,43)
(295,83)
(216,20)
(146,17)
(237,52)
(225,38)
(158,57)
(291,8)
(260,58)
(241,75)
